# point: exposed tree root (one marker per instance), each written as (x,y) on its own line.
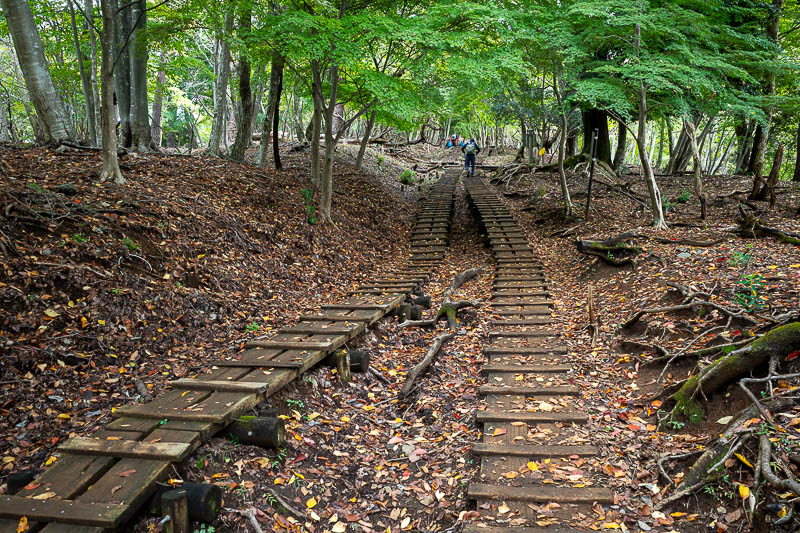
(438,342)
(449,309)
(613,251)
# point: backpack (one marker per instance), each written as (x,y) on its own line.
(470,148)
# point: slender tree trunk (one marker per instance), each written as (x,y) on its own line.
(156,133)
(619,155)
(244,132)
(4,120)
(221,86)
(276,116)
(140,120)
(47,102)
(796,176)
(122,69)
(86,82)
(275,82)
(316,122)
(89,11)
(562,147)
(767,191)
(365,139)
(110,170)
(660,158)
(698,169)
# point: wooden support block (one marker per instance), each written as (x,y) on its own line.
(527,450)
(540,494)
(168,451)
(205,500)
(343,365)
(64,511)
(494,390)
(268,432)
(175,510)
(229,386)
(531,418)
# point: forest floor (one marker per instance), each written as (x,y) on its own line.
(107,286)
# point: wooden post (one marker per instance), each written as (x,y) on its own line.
(175,510)
(343,365)
(204,500)
(592,154)
(259,431)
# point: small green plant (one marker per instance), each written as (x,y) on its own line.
(683,197)
(739,259)
(276,462)
(407,177)
(748,292)
(35,186)
(667,204)
(294,403)
(201,462)
(271,500)
(115,291)
(307,196)
(205,528)
(380,159)
(129,244)
(79,237)
(251,327)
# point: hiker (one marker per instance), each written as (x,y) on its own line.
(470,150)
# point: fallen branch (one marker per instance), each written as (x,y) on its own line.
(425,363)
(379,376)
(610,249)
(683,307)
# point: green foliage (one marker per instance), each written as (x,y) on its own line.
(309,208)
(739,259)
(683,197)
(749,292)
(407,177)
(253,327)
(129,244)
(79,237)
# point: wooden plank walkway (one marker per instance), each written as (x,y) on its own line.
(526,458)
(99,482)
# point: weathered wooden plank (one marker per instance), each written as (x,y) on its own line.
(523,333)
(338,329)
(566,390)
(249,363)
(473,528)
(523,322)
(524,369)
(289,345)
(531,418)
(526,350)
(227,386)
(170,451)
(527,450)
(518,293)
(540,494)
(64,511)
(138,425)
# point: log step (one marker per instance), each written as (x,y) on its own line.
(498,294)
(472,528)
(493,350)
(531,418)
(540,494)
(527,450)
(523,322)
(523,333)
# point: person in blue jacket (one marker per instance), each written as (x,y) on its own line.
(470,149)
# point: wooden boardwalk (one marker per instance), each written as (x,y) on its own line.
(527,458)
(99,482)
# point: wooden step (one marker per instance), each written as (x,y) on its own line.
(227,386)
(494,390)
(106,515)
(288,345)
(531,418)
(555,528)
(523,322)
(528,450)
(490,350)
(169,451)
(498,294)
(523,333)
(539,494)
(524,369)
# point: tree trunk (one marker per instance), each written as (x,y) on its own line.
(275,83)
(338,118)
(365,139)
(4,120)
(86,82)
(140,120)
(326,182)
(767,191)
(46,101)
(244,132)
(562,146)
(796,176)
(156,133)
(619,155)
(698,177)
(660,159)
(221,87)
(122,69)
(316,122)
(276,116)
(597,119)
(89,10)
(110,169)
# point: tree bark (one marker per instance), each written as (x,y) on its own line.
(562,146)
(86,83)
(275,86)
(244,131)
(316,121)
(660,144)
(156,133)
(365,139)
(698,177)
(619,155)
(122,69)
(276,115)
(110,170)
(89,10)
(47,102)
(597,119)
(221,86)
(140,120)
(4,120)
(796,175)
(767,191)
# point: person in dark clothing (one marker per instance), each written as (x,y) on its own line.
(470,150)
